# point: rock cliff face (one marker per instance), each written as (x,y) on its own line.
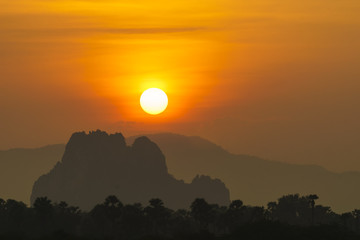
(97,164)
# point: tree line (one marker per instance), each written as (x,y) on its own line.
(290,217)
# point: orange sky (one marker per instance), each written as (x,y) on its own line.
(277,79)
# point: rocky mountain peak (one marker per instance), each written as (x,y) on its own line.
(98,164)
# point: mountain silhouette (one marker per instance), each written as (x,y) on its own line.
(97,165)
(253,180)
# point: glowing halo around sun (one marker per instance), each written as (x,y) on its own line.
(154,101)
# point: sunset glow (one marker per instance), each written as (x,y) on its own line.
(247,74)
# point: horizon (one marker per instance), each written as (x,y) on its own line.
(183,135)
(178,157)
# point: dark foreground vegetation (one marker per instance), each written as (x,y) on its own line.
(291,217)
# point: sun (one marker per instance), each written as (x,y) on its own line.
(154,101)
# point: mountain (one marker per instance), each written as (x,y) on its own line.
(19,169)
(97,165)
(254,180)
(251,179)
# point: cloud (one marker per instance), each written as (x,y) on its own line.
(148,30)
(73,33)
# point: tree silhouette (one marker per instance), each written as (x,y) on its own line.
(234,214)
(43,207)
(346,218)
(236,205)
(107,216)
(62,205)
(133,220)
(2,204)
(271,211)
(356,216)
(291,209)
(312,198)
(200,211)
(158,215)
(113,202)
(15,214)
(288,218)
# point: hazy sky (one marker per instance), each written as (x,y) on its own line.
(277,79)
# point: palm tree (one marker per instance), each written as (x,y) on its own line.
(356,215)
(158,215)
(271,211)
(113,202)
(43,208)
(234,214)
(312,198)
(201,212)
(236,204)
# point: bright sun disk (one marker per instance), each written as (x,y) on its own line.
(154,101)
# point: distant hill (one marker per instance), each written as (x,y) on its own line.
(251,179)
(19,169)
(97,165)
